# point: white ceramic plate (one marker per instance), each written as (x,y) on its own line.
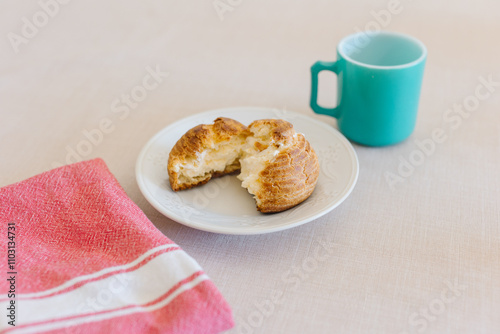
(222,205)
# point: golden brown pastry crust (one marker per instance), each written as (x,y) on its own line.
(290,178)
(195,141)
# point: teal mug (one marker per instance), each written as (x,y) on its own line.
(379,78)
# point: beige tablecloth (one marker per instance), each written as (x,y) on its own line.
(414,249)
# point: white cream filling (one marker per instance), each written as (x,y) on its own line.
(214,159)
(254,161)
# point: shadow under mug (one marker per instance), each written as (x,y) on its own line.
(379,78)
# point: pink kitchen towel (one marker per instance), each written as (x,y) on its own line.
(81,257)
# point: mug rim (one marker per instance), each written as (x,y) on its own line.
(388,33)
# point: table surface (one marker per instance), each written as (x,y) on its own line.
(414,249)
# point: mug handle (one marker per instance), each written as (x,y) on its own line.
(315,69)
